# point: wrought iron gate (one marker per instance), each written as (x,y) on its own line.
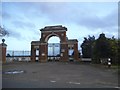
(53,51)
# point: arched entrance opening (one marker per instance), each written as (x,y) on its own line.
(53,48)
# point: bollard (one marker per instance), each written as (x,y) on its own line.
(109,62)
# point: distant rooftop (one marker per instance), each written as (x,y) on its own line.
(57,27)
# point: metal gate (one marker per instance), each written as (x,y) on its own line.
(53,51)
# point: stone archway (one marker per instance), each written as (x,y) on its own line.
(53,49)
(42,45)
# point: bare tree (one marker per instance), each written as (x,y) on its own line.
(3,32)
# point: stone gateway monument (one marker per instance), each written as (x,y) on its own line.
(65,44)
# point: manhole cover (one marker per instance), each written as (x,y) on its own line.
(14,72)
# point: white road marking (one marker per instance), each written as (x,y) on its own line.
(73,82)
(117,87)
(53,81)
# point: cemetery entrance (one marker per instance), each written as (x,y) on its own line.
(42,46)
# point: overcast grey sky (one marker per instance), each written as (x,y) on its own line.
(24,19)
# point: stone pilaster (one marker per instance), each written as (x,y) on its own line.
(3,51)
(76,53)
(64,52)
(33,53)
(43,52)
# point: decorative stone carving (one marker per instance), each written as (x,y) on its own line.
(43,54)
(62,34)
(61,54)
(62,50)
(36,47)
(53,33)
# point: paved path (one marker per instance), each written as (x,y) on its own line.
(59,75)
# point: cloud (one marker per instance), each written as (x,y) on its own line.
(112,18)
(6,15)
(57,12)
(83,14)
(91,16)
(14,34)
(22,24)
(95,22)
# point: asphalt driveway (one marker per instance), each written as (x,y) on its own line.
(58,75)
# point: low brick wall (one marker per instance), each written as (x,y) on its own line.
(86,59)
(18,58)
